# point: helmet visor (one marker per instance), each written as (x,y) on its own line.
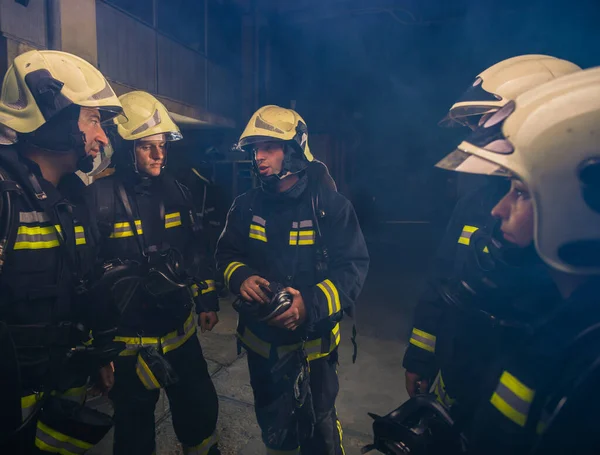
(488,138)
(471,116)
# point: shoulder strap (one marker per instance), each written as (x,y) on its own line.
(105,206)
(9,220)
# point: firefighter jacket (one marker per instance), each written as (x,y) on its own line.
(50,257)
(527,385)
(460,341)
(276,236)
(164,219)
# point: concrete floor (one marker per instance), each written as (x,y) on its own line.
(375,383)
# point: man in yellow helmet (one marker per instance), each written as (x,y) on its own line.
(146,216)
(294,253)
(51,112)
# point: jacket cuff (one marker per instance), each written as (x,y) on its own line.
(235,274)
(322,303)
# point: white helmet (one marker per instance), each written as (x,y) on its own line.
(549,137)
(502,82)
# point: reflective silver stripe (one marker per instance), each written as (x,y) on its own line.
(257,232)
(37,234)
(512,399)
(428,342)
(28,403)
(172,220)
(259,220)
(151,383)
(150,123)
(33,217)
(173,341)
(204,447)
(303,224)
(53,441)
(333,298)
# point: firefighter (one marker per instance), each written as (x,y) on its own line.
(476,272)
(147,216)
(294,243)
(546,142)
(52,108)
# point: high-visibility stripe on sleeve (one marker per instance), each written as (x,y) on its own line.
(211,287)
(422,340)
(513,398)
(230,269)
(332,295)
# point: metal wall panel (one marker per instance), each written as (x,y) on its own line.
(181,73)
(25,22)
(224,91)
(126,48)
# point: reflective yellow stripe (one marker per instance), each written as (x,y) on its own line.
(517,387)
(441,393)
(52,441)
(123,229)
(313,348)
(332,295)
(204,447)
(255,344)
(194,288)
(422,340)
(513,398)
(334,343)
(167,343)
(465,236)
(230,269)
(36,238)
(145,374)
(258,232)
(172,220)
(79,235)
(341,433)
(173,340)
(211,287)
(28,402)
(302,237)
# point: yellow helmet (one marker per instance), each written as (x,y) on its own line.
(41,84)
(143,116)
(274,123)
(549,138)
(502,82)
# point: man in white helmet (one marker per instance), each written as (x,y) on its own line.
(542,397)
(477,274)
(147,216)
(294,253)
(51,112)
